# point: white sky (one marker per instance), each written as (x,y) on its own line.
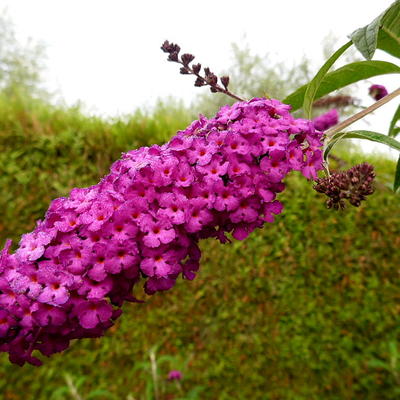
(106,53)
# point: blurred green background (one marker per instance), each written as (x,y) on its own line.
(307,308)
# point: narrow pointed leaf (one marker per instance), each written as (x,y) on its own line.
(393,130)
(314,84)
(103,393)
(368,135)
(374,137)
(342,77)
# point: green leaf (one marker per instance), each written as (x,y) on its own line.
(388,43)
(100,393)
(342,77)
(396,183)
(383,33)
(374,137)
(366,39)
(369,135)
(165,358)
(377,364)
(393,349)
(393,130)
(391,21)
(391,18)
(60,393)
(389,34)
(314,84)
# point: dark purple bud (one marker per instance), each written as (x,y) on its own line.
(207,71)
(187,58)
(184,71)
(213,89)
(199,82)
(377,92)
(211,79)
(166,47)
(225,81)
(196,68)
(175,48)
(173,56)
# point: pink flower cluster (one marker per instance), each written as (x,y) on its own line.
(326,120)
(175,375)
(69,277)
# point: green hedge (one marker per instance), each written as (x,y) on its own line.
(307,308)
(46,151)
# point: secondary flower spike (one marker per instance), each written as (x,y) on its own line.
(335,101)
(142,223)
(325,121)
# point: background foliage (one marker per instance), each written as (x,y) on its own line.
(21,64)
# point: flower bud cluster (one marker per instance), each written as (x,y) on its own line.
(69,277)
(208,79)
(326,120)
(352,185)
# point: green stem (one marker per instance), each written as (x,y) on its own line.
(154,373)
(337,128)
